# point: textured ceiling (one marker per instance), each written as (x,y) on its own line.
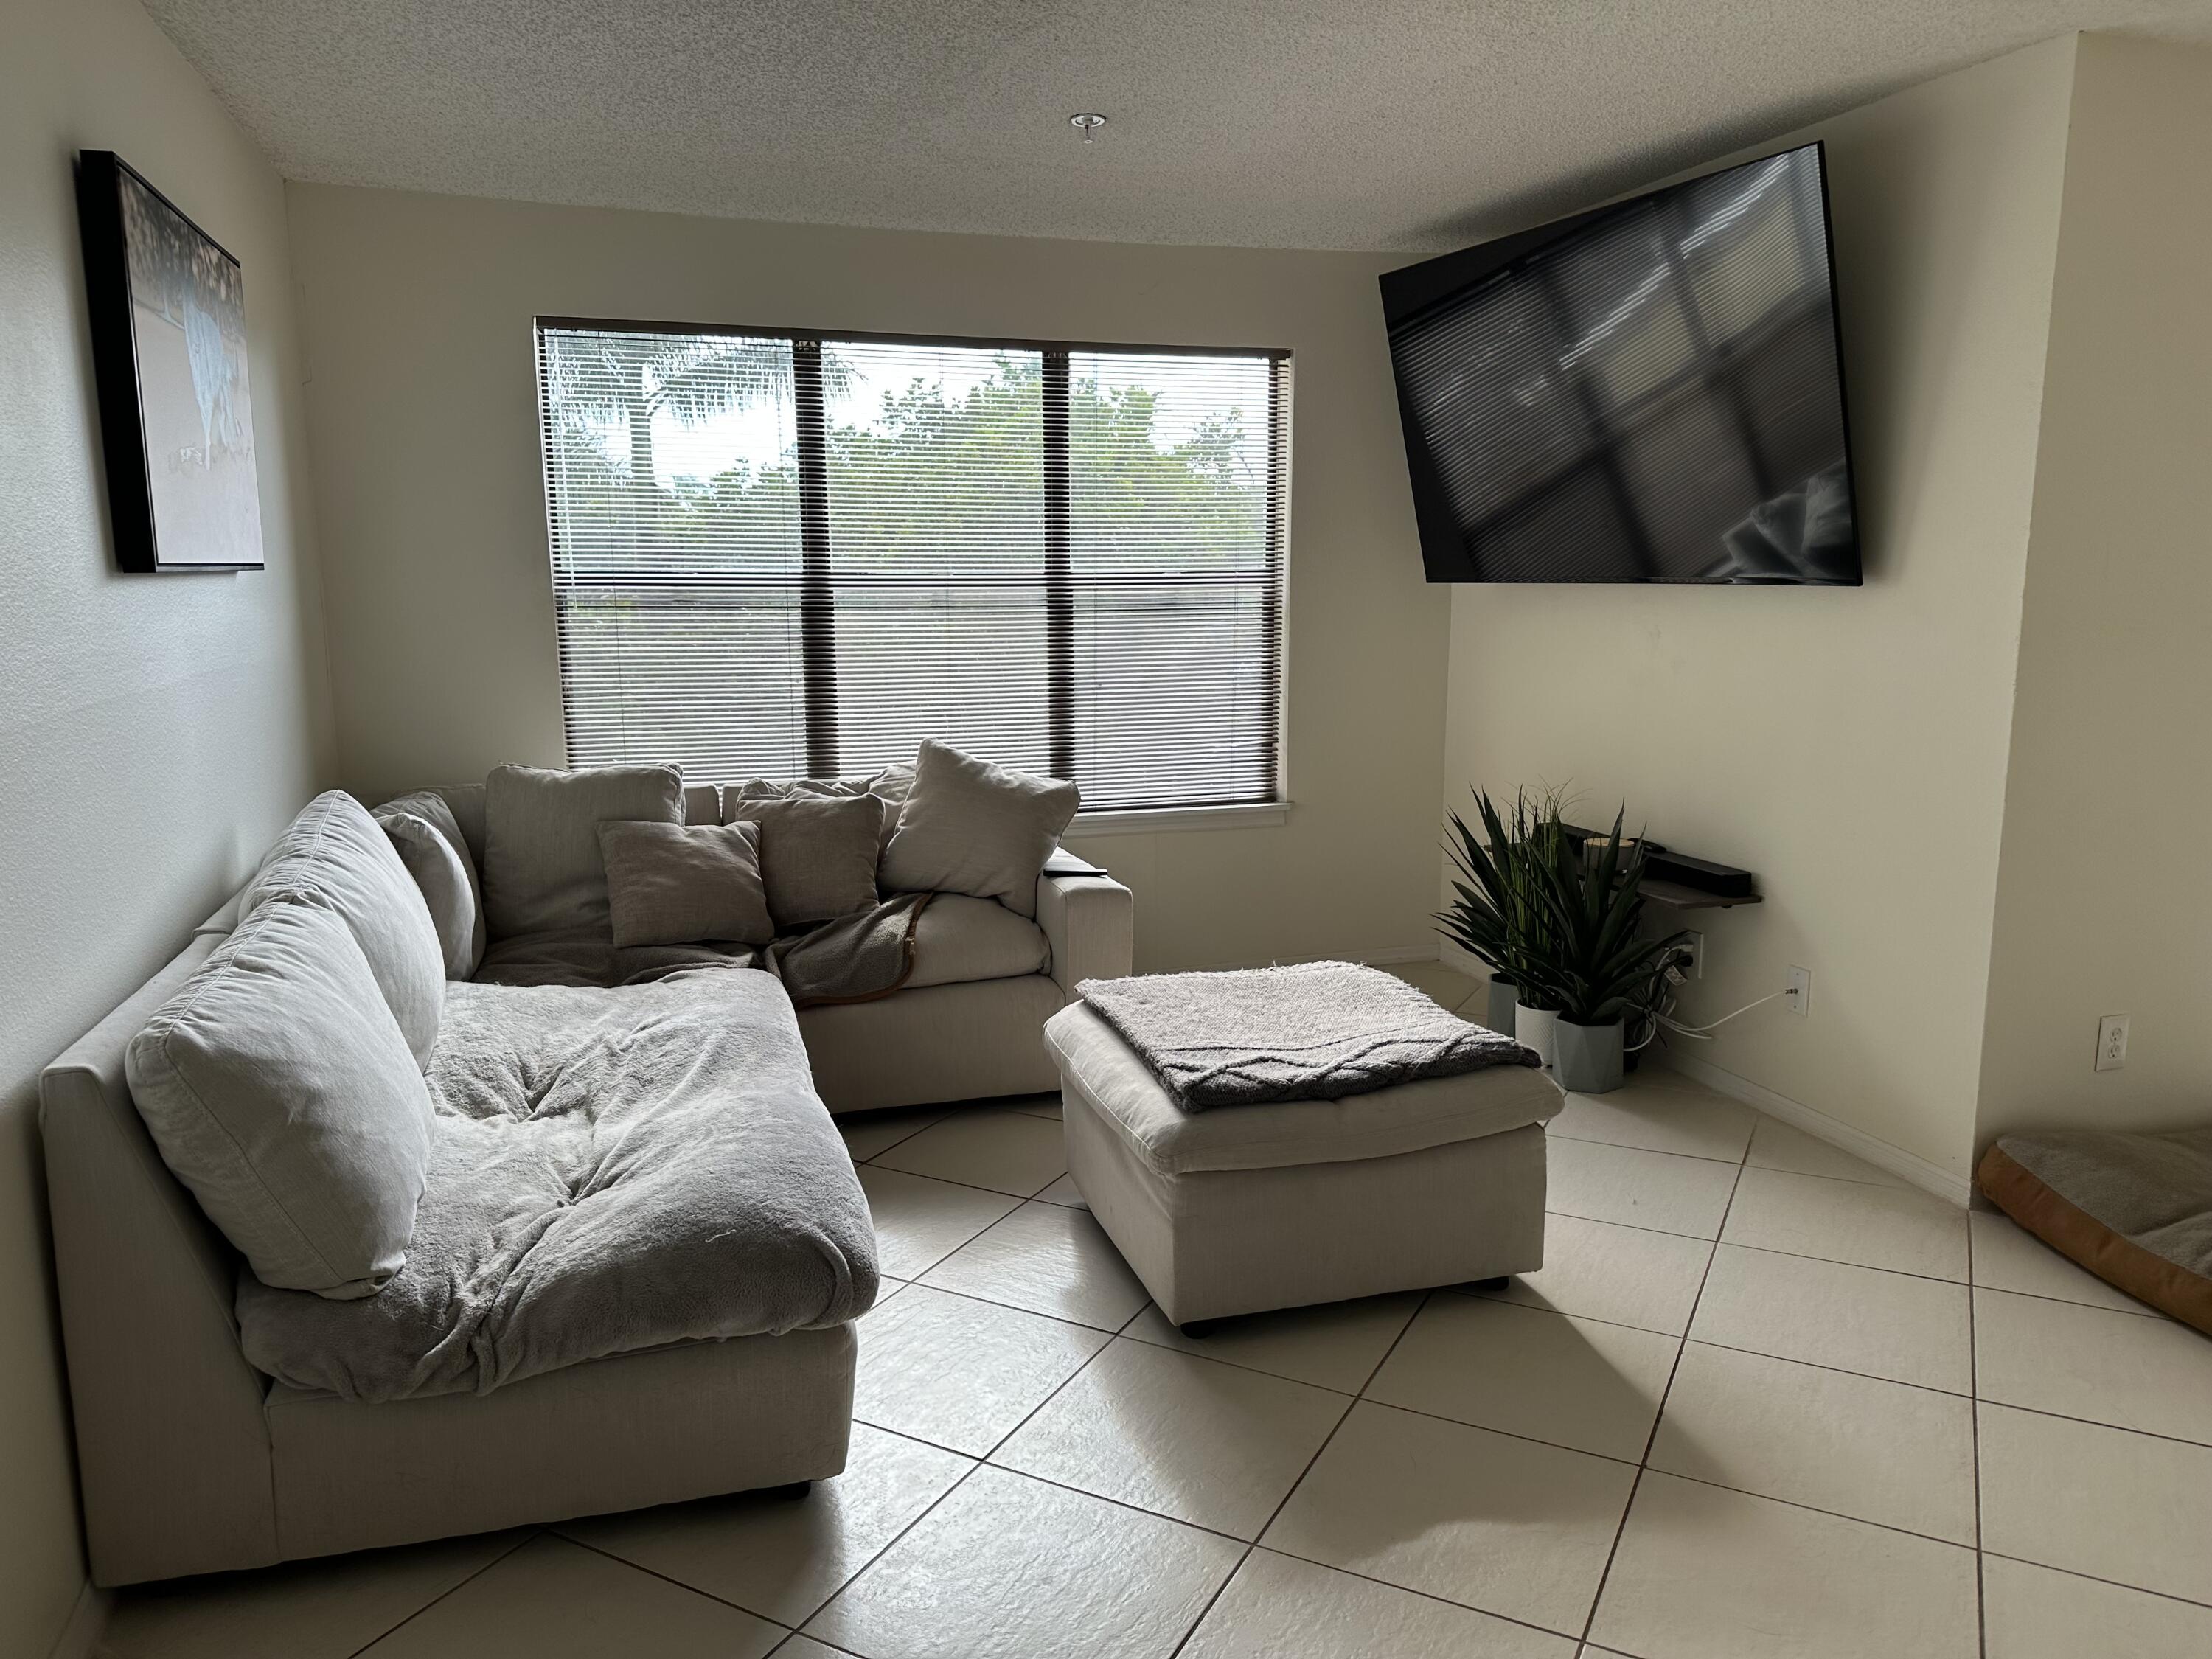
(1359,124)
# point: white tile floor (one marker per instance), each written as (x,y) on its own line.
(1762,1402)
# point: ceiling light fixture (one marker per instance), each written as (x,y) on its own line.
(1088,122)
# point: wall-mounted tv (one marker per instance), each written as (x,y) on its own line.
(1652,392)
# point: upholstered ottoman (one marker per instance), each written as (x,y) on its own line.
(1244,1208)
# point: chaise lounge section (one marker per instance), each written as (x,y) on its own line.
(194,1460)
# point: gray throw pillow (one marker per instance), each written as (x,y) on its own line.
(542,872)
(278,1087)
(971,827)
(335,855)
(890,786)
(438,860)
(818,852)
(682,884)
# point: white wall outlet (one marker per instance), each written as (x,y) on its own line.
(1797,991)
(2111,1043)
(1693,944)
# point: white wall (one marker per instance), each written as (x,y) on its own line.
(156,731)
(1849,746)
(2105,889)
(418,311)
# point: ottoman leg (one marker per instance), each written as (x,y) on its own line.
(1197,1328)
(1497,1284)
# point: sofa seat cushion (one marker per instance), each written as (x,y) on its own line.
(1407,1118)
(960,939)
(335,855)
(278,1087)
(613,1170)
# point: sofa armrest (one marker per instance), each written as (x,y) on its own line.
(1089,921)
(173,1448)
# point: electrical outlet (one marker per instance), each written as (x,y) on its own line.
(2111,1043)
(1797,991)
(1693,943)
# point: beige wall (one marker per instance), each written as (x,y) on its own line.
(418,313)
(2104,899)
(1848,745)
(156,731)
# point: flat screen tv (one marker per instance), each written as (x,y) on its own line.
(1652,392)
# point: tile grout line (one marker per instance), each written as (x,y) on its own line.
(2116,1583)
(974,1462)
(1815,1509)
(1974,1443)
(655,1572)
(1620,1528)
(1291,1490)
(534,1534)
(2096,1423)
(1821,1366)
(892,1542)
(1408,1590)
(1836,1261)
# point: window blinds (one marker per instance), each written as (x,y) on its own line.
(782,555)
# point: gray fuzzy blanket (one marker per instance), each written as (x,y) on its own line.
(1317,1031)
(614,1169)
(855,958)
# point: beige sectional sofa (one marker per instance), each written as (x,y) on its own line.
(192,1461)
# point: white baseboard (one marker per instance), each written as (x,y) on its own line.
(1399,953)
(88,1622)
(1906,1166)
(1467,962)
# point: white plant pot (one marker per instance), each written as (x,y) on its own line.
(1533,1028)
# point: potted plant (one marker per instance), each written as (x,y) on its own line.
(1498,913)
(1592,957)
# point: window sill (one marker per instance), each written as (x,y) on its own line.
(1153,820)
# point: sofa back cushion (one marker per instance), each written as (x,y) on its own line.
(818,852)
(335,855)
(888,786)
(971,827)
(429,840)
(684,883)
(278,1086)
(543,870)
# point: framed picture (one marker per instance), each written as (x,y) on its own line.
(168,309)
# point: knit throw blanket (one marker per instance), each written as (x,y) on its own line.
(1317,1031)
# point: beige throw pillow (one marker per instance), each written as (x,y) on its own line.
(543,872)
(818,852)
(680,883)
(335,855)
(890,786)
(278,1087)
(437,862)
(971,827)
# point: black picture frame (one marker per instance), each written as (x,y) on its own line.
(166,308)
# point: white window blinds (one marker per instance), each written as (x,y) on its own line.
(783,556)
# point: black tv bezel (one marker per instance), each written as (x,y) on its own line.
(1412,292)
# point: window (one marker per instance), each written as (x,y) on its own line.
(784,555)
